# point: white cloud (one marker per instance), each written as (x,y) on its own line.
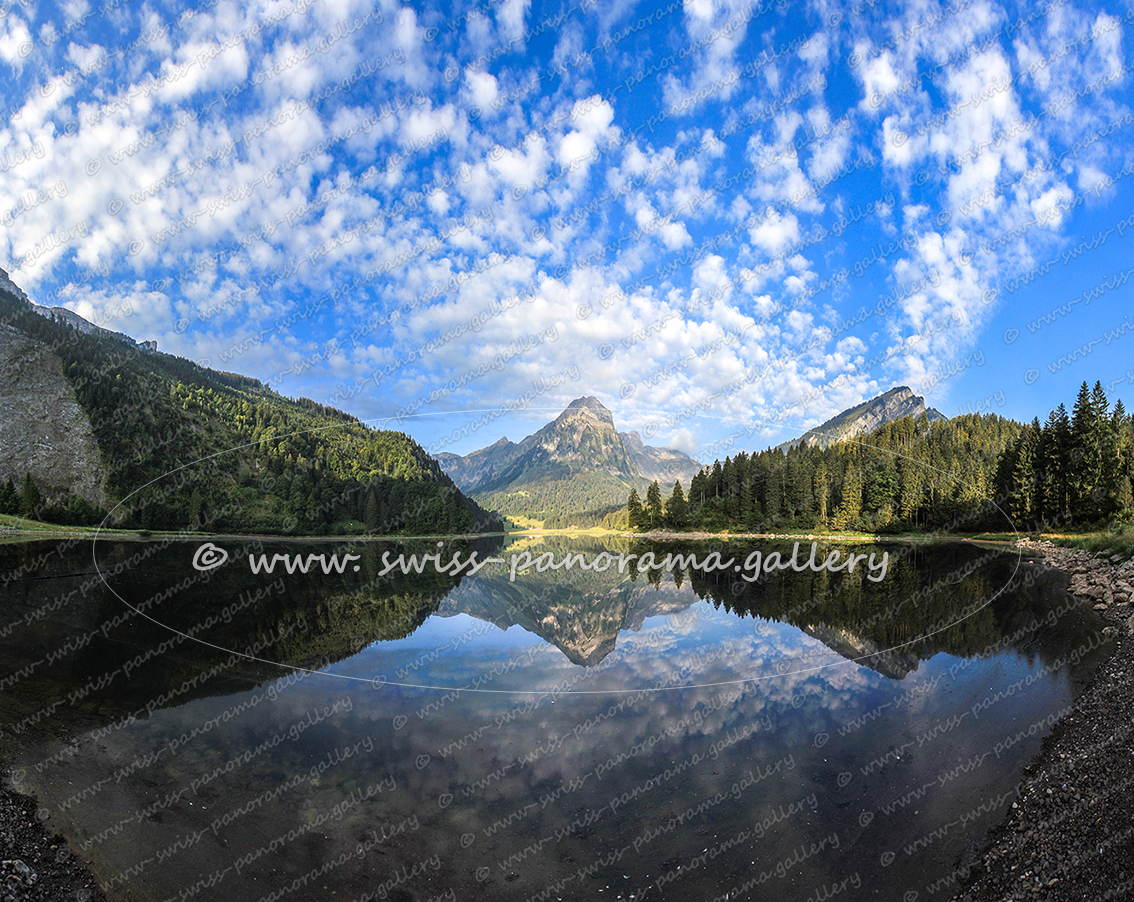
(15,40)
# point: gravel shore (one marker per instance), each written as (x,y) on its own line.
(1069,837)
(37,866)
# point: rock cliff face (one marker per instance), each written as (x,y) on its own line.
(866,417)
(43,430)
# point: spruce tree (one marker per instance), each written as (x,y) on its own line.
(9,498)
(30,497)
(635,516)
(1022,504)
(1086,453)
(1108,450)
(654,511)
(1054,466)
(676,511)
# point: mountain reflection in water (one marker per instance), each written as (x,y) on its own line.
(689,734)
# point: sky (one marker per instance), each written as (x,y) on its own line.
(728,221)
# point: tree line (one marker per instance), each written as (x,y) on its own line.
(971,472)
(190,447)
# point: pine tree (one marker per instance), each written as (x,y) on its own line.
(1108,451)
(1053,466)
(9,498)
(1124,500)
(1022,504)
(1086,473)
(819,483)
(370,515)
(697,489)
(654,511)
(635,516)
(850,503)
(30,497)
(676,511)
(774,491)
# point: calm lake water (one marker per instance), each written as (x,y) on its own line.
(563,735)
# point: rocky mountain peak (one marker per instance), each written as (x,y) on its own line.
(592,405)
(863,419)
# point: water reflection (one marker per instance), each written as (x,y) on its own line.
(688,734)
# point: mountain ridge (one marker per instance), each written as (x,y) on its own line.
(578,467)
(864,418)
(97,423)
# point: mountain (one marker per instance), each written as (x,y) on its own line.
(88,328)
(866,418)
(663,464)
(576,469)
(479,467)
(100,424)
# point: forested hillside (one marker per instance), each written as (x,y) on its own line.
(917,474)
(186,446)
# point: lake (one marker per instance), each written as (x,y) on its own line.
(573,733)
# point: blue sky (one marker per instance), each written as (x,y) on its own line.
(727,221)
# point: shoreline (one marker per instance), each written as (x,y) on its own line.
(38,865)
(1068,837)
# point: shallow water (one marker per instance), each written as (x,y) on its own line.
(562,735)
